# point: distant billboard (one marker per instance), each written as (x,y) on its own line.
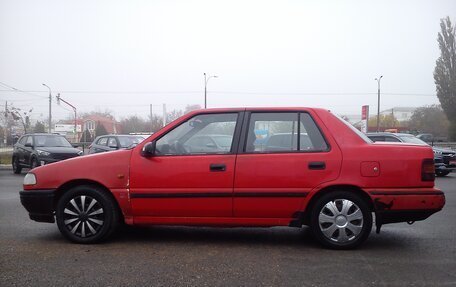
(364,118)
(66,128)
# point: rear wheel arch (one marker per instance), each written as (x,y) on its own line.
(306,214)
(79,182)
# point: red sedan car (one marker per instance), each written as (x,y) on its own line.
(241,167)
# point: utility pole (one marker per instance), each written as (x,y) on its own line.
(206,80)
(6,123)
(75,117)
(164,114)
(50,107)
(378,104)
(151,121)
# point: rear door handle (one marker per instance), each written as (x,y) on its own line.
(317,165)
(217,167)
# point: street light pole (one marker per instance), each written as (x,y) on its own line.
(378,104)
(74,109)
(206,80)
(50,107)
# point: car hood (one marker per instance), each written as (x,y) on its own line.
(56,149)
(109,169)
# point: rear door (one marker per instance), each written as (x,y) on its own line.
(276,168)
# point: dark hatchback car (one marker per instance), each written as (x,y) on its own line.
(445,160)
(32,150)
(114,142)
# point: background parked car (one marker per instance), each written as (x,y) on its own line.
(33,150)
(209,143)
(445,160)
(430,138)
(114,142)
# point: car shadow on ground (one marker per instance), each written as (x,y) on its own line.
(275,236)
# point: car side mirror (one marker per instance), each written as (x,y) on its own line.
(113,146)
(210,145)
(148,149)
(28,145)
(76,145)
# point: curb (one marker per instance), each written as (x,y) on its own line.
(5,167)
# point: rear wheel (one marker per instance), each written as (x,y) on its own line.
(442,173)
(86,214)
(341,220)
(16,166)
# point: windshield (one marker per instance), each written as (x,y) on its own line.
(412,139)
(51,141)
(128,141)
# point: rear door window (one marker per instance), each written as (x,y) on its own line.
(278,132)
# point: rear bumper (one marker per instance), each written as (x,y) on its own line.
(406,205)
(39,204)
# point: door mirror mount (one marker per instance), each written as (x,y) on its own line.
(28,145)
(148,149)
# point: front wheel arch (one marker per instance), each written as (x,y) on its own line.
(71,184)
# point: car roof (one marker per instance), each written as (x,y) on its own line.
(43,134)
(256,109)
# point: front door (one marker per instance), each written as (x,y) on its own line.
(188,176)
(276,168)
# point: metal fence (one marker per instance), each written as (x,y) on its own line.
(6,151)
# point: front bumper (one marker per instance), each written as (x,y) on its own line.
(39,204)
(407,205)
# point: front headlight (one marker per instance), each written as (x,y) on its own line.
(42,152)
(29,179)
(80,153)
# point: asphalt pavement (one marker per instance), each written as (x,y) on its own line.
(35,254)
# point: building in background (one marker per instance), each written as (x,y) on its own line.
(87,125)
(401,114)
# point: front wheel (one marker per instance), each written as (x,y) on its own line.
(341,220)
(34,163)
(16,166)
(86,214)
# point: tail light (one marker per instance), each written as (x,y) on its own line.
(428,170)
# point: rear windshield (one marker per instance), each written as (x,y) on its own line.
(412,139)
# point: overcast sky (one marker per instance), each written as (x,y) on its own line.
(125,55)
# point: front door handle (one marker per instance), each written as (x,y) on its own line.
(217,167)
(317,165)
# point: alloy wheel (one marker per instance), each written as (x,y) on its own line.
(340,220)
(83,216)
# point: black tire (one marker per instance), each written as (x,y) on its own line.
(16,166)
(87,225)
(442,173)
(34,163)
(341,229)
